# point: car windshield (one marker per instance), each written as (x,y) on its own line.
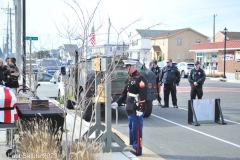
(49,63)
(32,61)
(190,65)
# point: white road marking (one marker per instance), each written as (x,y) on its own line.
(224,119)
(194,130)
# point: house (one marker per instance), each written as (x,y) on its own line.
(67,52)
(55,53)
(109,49)
(140,44)
(220,36)
(175,44)
(211,55)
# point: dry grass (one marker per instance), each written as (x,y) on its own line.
(39,140)
(215,75)
(76,150)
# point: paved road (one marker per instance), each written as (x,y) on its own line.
(168,134)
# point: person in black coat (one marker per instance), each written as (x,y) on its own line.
(155,69)
(12,74)
(196,79)
(170,77)
(2,79)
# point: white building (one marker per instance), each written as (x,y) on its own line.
(141,44)
(110,49)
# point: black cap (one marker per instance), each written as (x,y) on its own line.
(197,62)
(154,61)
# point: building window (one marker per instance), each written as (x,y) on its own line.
(179,41)
(110,49)
(135,43)
(198,40)
(118,48)
(179,56)
(163,42)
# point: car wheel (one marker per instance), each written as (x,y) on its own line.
(183,74)
(149,105)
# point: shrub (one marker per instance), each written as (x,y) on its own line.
(40,140)
(215,75)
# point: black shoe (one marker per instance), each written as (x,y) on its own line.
(165,106)
(175,106)
(159,103)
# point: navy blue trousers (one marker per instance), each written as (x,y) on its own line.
(135,124)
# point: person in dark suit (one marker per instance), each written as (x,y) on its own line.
(170,77)
(196,79)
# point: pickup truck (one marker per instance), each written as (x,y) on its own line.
(119,76)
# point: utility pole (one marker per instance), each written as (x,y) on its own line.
(24,43)
(7,45)
(11,31)
(9,22)
(214,27)
(18,31)
(108,34)
(123,47)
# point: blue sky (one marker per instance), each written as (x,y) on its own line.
(43,17)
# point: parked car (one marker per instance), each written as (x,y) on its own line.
(185,68)
(163,64)
(50,65)
(48,86)
(119,76)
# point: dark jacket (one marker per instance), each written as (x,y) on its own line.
(2,78)
(198,76)
(11,82)
(135,84)
(169,75)
(157,71)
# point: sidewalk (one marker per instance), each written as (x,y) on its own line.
(230,77)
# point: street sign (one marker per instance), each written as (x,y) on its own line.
(32,38)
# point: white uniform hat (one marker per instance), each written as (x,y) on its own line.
(129,63)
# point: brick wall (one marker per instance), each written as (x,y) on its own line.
(231,66)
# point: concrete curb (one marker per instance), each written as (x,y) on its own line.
(224,80)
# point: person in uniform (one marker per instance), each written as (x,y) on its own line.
(135,95)
(196,79)
(170,77)
(155,69)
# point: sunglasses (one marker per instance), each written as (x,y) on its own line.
(167,62)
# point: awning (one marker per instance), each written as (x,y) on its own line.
(215,47)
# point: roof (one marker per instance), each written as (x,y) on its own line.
(169,33)
(149,33)
(177,31)
(156,48)
(230,45)
(232,35)
(70,47)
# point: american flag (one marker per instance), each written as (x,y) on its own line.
(92,36)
